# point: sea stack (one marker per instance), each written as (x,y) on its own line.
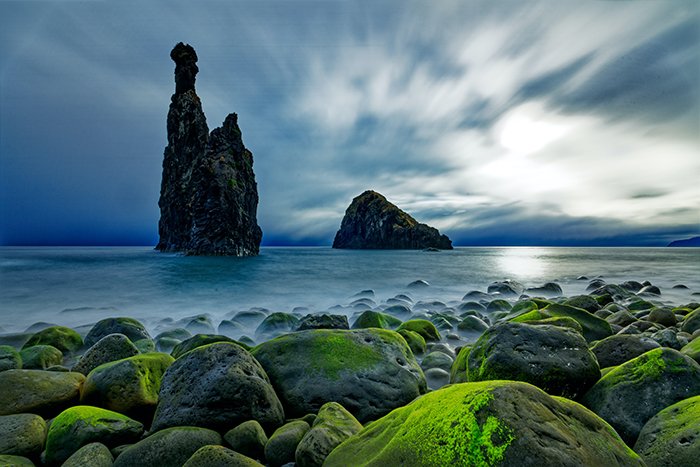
(372,222)
(208,195)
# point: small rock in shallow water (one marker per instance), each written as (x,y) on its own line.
(323,321)
(130,327)
(419,284)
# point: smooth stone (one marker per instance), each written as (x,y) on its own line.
(437,360)
(217,386)
(130,327)
(40,357)
(664,316)
(248,438)
(692,349)
(200,340)
(436,378)
(44,393)
(171,447)
(22,435)
(375,319)
(9,358)
(618,349)
(80,425)
(332,426)
(93,454)
(585,302)
(63,338)
(282,445)
(201,324)
(506,288)
(276,324)
(487,423)
(423,327)
(15,461)
(110,348)
(414,340)
(219,456)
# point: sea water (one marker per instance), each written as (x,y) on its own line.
(79,286)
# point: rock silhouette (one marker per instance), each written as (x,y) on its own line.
(208,197)
(372,222)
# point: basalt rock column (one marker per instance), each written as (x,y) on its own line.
(208,197)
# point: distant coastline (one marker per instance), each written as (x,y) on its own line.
(688,242)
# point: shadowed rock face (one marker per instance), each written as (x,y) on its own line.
(372,222)
(208,197)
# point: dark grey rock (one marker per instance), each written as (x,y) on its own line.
(40,357)
(506,288)
(219,456)
(550,289)
(553,358)
(248,438)
(216,386)
(209,197)
(22,435)
(9,358)
(332,426)
(44,393)
(372,222)
(620,348)
(282,445)
(93,454)
(110,348)
(323,321)
(171,447)
(130,327)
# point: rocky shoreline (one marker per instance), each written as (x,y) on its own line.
(510,376)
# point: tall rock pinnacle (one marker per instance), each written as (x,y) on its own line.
(208,196)
(372,222)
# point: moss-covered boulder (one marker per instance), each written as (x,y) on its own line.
(9,358)
(110,348)
(472,325)
(40,357)
(663,316)
(8,460)
(22,435)
(498,305)
(585,302)
(437,359)
(217,386)
(63,338)
(129,386)
(171,447)
(414,340)
(323,321)
(80,425)
(131,328)
(553,358)
(167,340)
(692,349)
(629,395)
(40,392)
(332,426)
(423,327)
(501,423)
(200,340)
(672,436)
(248,438)
(593,327)
(219,456)
(691,322)
(458,371)
(621,348)
(376,319)
(276,324)
(93,454)
(368,371)
(282,445)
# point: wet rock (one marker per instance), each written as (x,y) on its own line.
(219,456)
(585,302)
(200,340)
(40,357)
(667,338)
(368,371)
(629,395)
(129,386)
(81,425)
(691,322)
(506,288)
(621,318)
(216,386)
(323,321)
(171,447)
(248,438)
(692,349)
(63,338)
(131,328)
(9,358)
(425,328)
(618,349)
(22,435)
(488,423)
(549,289)
(282,445)
(414,340)
(436,378)
(40,392)
(437,360)
(110,348)
(15,461)
(201,324)
(650,290)
(332,426)
(209,197)
(372,222)
(672,436)
(276,324)
(375,319)
(93,454)
(553,358)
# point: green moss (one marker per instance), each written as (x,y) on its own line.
(534,315)
(593,327)
(423,327)
(63,338)
(692,349)
(375,319)
(649,366)
(41,357)
(414,340)
(232,183)
(458,372)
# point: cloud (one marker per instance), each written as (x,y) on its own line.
(469,115)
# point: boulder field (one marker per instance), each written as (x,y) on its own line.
(513,376)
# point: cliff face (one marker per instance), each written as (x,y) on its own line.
(208,196)
(372,222)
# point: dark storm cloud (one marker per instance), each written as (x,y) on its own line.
(407,98)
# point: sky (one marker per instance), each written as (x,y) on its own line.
(559,123)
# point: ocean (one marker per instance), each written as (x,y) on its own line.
(78,286)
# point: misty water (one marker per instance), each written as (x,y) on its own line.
(78,286)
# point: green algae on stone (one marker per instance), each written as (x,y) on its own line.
(423,327)
(9,358)
(633,392)
(63,338)
(200,340)
(40,357)
(486,424)
(692,349)
(672,436)
(691,322)
(376,319)
(248,438)
(81,425)
(171,447)
(41,392)
(130,327)
(129,386)
(368,371)
(414,340)
(15,461)
(282,445)
(458,372)
(22,435)
(332,426)
(594,328)
(219,456)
